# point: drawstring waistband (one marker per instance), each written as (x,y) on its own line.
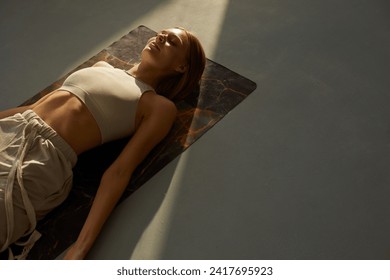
(49,133)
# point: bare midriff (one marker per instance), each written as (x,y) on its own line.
(70,118)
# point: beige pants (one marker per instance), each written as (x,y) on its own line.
(35,176)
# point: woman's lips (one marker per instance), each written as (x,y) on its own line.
(154,45)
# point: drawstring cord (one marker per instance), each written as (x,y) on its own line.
(16,169)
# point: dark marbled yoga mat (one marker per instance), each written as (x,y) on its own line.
(220,91)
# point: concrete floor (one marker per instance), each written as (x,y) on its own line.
(299,170)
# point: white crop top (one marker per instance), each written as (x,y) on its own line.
(111,95)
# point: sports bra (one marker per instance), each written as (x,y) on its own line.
(111,95)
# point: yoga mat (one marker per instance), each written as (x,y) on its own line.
(220,91)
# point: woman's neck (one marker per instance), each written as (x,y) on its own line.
(146,74)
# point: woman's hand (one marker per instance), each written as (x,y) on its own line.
(74,253)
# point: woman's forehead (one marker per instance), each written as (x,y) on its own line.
(175,30)
(182,34)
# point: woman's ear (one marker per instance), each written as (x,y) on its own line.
(181,68)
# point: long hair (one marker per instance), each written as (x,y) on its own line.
(180,85)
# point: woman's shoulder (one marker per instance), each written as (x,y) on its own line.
(156,113)
(153,103)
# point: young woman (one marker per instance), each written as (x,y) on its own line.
(39,143)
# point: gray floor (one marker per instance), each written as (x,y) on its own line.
(299,170)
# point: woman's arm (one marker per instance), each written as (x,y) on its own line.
(153,128)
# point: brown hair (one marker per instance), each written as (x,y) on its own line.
(179,86)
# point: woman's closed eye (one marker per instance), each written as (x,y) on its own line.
(172,42)
(171,38)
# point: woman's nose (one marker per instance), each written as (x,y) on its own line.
(161,38)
